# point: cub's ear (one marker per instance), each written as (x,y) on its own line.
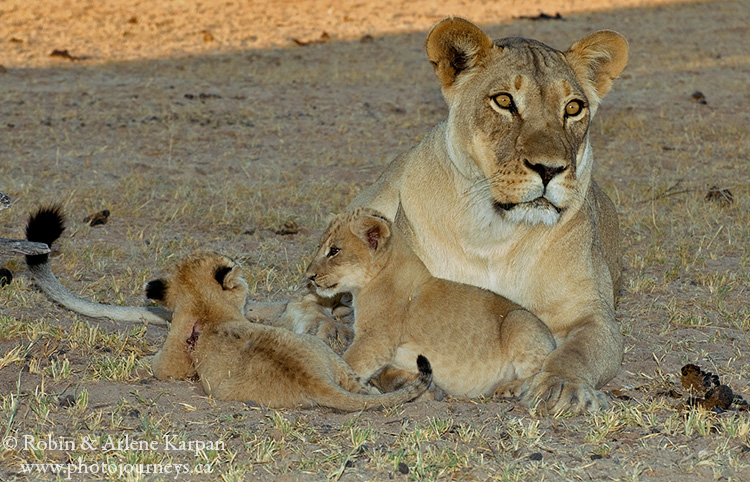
(228,276)
(373,230)
(597,60)
(156,289)
(455,45)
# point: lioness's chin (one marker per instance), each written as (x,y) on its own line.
(538,211)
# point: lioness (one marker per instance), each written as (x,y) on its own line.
(475,339)
(239,360)
(500,195)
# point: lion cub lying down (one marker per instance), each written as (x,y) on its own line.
(477,341)
(236,359)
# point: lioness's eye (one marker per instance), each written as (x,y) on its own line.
(332,251)
(504,101)
(573,108)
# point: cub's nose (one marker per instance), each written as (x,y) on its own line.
(311,277)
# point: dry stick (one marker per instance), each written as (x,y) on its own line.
(668,192)
(9,247)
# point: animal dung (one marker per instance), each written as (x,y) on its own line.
(98,218)
(704,389)
(721,195)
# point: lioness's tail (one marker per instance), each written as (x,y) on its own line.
(46,226)
(345,400)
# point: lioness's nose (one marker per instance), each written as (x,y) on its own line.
(545,172)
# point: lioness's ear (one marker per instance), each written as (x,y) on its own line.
(455,45)
(156,289)
(373,230)
(597,60)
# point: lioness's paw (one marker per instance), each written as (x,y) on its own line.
(553,393)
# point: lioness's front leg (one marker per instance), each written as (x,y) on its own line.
(589,357)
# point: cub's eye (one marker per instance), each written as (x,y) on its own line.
(504,101)
(332,251)
(573,108)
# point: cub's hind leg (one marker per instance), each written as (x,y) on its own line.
(527,342)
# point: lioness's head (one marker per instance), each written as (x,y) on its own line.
(206,285)
(350,252)
(520,113)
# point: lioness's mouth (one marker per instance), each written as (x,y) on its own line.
(539,203)
(503,206)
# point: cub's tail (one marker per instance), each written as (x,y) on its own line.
(345,400)
(46,226)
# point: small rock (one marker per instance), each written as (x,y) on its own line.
(68,401)
(289,227)
(403,468)
(63,53)
(699,97)
(543,16)
(536,456)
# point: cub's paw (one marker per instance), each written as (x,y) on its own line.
(308,316)
(510,389)
(554,393)
(329,329)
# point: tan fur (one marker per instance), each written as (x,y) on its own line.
(239,360)
(474,191)
(476,340)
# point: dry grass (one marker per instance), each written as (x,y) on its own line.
(286,133)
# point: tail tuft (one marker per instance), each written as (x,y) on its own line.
(44,226)
(156,289)
(423,364)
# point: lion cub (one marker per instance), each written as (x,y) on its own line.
(236,359)
(477,341)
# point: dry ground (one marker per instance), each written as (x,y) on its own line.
(207,125)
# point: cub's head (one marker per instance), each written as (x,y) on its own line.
(351,252)
(520,114)
(206,286)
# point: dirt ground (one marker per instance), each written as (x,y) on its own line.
(239,126)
